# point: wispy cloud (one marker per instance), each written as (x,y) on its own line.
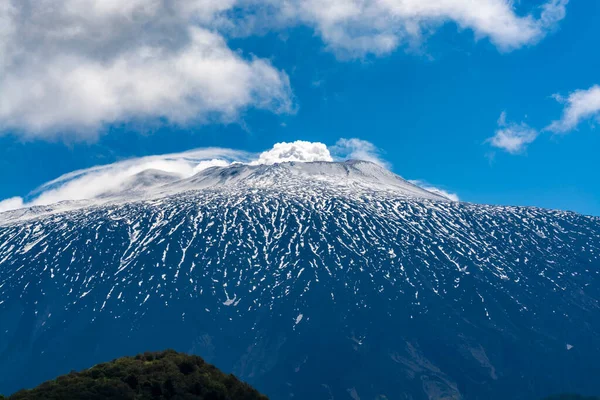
(103,180)
(11,204)
(512,137)
(579,106)
(358,149)
(436,190)
(98,181)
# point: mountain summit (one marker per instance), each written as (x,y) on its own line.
(349,175)
(310,280)
(151,183)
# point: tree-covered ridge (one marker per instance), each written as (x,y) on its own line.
(159,375)
(162,375)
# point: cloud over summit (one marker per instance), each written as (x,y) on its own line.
(300,150)
(99,181)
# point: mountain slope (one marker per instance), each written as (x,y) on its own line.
(316,280)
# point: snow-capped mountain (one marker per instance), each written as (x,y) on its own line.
(319,280)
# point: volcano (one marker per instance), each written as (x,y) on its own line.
(317,280)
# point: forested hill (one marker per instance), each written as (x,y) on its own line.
(164,375)
(160,375)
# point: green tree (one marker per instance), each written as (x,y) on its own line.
(163,375)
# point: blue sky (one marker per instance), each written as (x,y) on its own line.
(429,102)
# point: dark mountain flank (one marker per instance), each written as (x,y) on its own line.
(308,281)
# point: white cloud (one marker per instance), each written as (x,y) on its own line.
(102,180)
(71,67)
(357,149)
(299,150)
(579,106)
(435,190)
(75,65)
(360,27)
(11,204)
(512,137)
